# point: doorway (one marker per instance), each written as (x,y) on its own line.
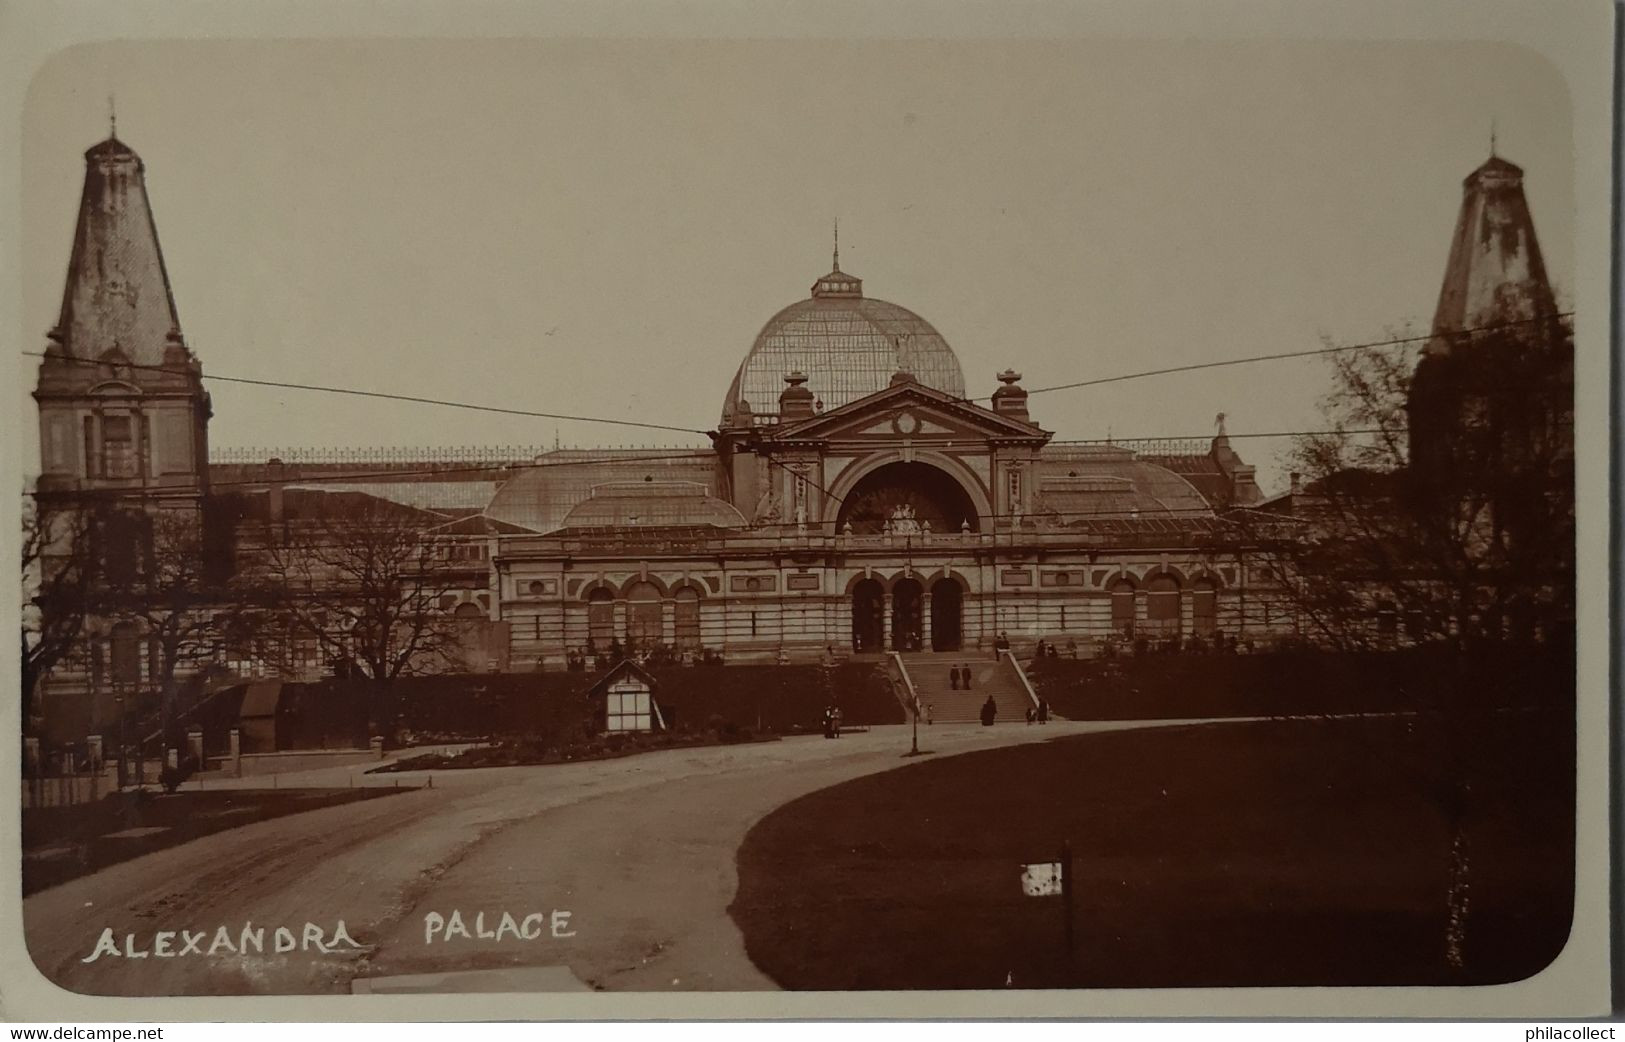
(868,624)
(907,600)
(947,613)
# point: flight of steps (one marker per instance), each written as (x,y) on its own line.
(929,672)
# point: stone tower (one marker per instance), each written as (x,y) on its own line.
(122,410)
(1488,323)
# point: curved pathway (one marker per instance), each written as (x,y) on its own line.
(639,851)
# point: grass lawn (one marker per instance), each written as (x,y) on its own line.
(63,843)
(1273,853)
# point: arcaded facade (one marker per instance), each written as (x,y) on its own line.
(853,498)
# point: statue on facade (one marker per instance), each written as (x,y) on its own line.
(902,521)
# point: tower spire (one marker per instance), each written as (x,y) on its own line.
(1495,272)
(112,118)
(837,244)
(1492,136)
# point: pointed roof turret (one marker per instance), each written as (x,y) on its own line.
(117,294)
(1495,272)
(837,283)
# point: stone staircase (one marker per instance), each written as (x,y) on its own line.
(999,678)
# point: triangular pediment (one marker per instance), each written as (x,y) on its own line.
(908,410)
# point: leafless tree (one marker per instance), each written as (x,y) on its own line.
(165,577)
(361,578)
(1439,505)
(59,567)
(1472,540)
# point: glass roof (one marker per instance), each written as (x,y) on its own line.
(848,345)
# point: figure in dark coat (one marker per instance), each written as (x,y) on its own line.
(964,677)
(989,711)
(953,677)
(1043,711)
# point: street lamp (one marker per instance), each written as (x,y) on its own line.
(123,766)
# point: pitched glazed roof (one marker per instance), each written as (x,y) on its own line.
(539,498)
(117,293)
(654,504)
(1080,483)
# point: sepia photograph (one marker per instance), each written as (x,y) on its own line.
(561,514)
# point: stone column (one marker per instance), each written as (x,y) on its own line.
(31,759)
(234,749)
(377,744)
(94,744)
(194,745)
(888,637)
(925,620)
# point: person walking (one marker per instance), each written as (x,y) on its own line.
(989,711)
(1043,710)
(964,676)
(953,677)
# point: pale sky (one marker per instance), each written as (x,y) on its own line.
(602,227)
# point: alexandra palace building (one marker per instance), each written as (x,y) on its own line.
(857,497)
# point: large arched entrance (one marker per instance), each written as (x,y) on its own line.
(907,615)
(868,617)
(947,615)
(906,499)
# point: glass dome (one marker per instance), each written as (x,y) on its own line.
(849,346)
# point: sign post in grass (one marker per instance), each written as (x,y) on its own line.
(1053,879)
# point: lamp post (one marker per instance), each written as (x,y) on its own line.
(123,767)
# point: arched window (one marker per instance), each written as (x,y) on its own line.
(600,620)
(1162,606)
(1123,608)
(1205,607)
(118,447)
(643,615)
(687,611)
(126,642)
(469,611)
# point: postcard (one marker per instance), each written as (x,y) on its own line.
(702,511)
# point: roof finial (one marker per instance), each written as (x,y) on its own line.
(837,244)
(112,118)
(1492,137)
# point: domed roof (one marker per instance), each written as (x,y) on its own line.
(849,346)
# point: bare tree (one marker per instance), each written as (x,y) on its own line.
(1440,504)
(59,567)
(165,577)
(361,578)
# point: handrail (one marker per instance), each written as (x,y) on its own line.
(1026,685)
(912,704)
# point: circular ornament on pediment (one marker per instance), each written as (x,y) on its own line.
(905,423)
